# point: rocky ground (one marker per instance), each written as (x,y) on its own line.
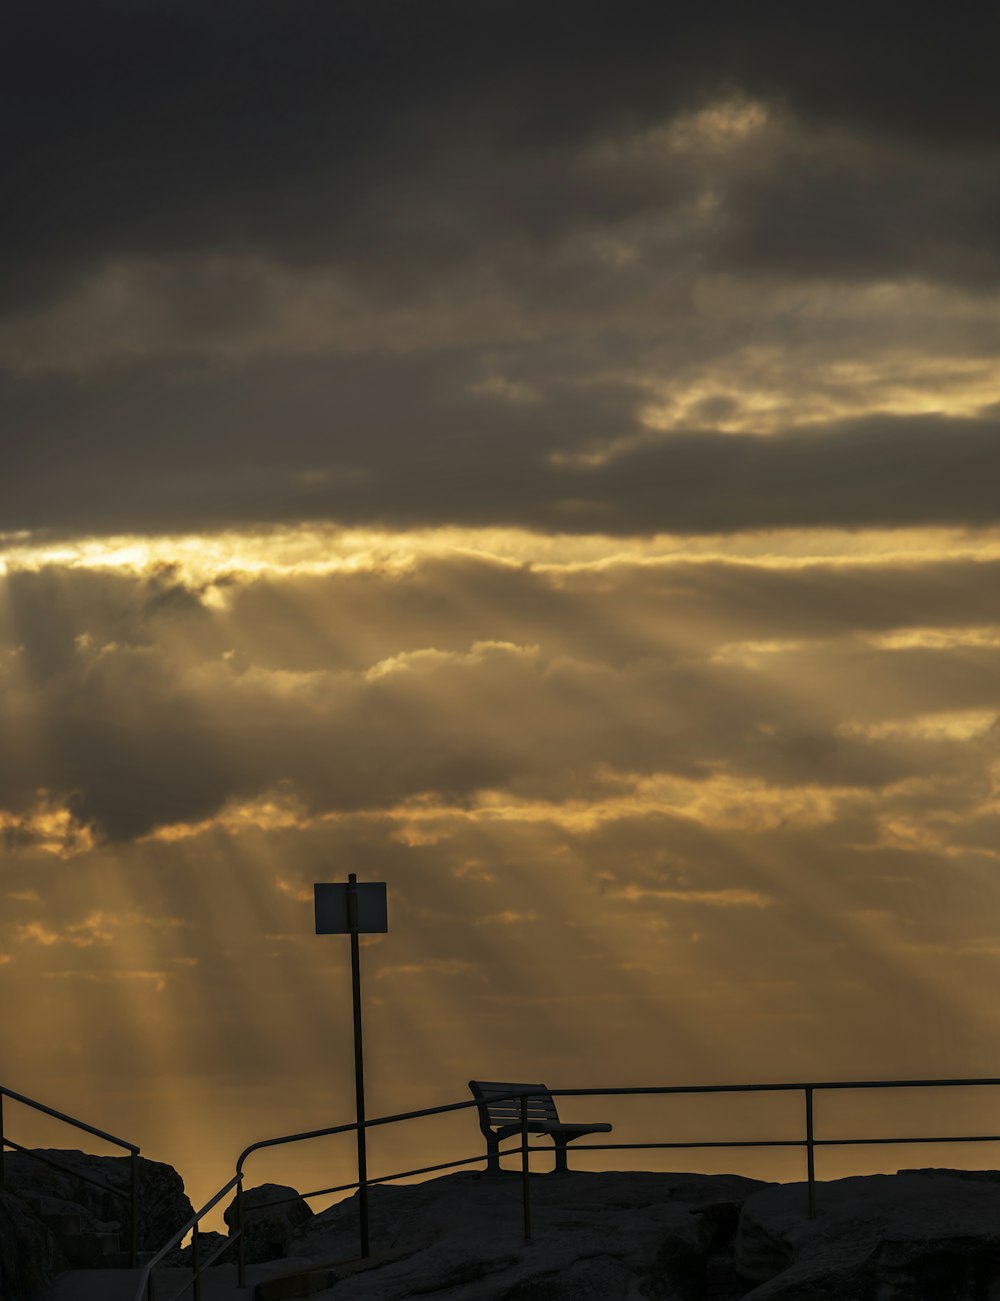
(917,1235)
(636,1235)
(914,1236)
(931,1235)
(54,1219)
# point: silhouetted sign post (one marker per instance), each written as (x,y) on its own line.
(357,908)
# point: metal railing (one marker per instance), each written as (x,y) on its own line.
(146,1288)
(361,1185)
(809,1142)
(132,1195)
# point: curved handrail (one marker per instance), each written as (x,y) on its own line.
(237,1179)
(178,1237)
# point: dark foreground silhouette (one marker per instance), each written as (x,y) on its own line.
(614,1236)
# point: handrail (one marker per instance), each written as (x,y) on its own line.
(131,1148)
(367,1124)
(145,1284)
(70,1120)
(776,1088)
(382,1179)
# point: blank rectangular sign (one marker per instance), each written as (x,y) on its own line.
(331,908)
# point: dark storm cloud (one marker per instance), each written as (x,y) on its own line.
(417,441)
(308,131)
(832,206)
(542,189)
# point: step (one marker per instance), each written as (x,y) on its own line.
(90,1250)
(218,1283)
(120,1285)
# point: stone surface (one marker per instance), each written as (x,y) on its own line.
(268,1229)
(29,1254)
(163,1206)
(905,1237)
(635,1236)
(182,1257)
(597,1237)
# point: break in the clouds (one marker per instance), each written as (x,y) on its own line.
(142,704)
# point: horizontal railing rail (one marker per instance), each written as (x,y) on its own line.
(382,1179)
(349,1128)
(797,1086)
(808,1089)
(809,1142)
(131,1148)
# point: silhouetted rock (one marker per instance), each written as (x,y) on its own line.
(940,1172)
(269,1228)
(163,1206)
(906,1237)
(29,1253)
(597,1236)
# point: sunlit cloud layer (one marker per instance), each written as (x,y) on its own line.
(679,779)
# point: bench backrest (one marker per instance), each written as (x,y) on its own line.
(494,1109)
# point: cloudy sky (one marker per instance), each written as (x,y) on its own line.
(541,456)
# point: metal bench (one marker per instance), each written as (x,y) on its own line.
(500,1117)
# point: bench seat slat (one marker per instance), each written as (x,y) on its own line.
(553,1127)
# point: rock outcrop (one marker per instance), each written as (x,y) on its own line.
(52,1217)
(929,1235)
(272,1215)
(163,1205)
(654,1237)
(30,1256)
(917,1236)
(914,1236)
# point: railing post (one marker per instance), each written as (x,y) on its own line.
(196,1262)
(150,1287)
(810,1153)
(3,1145)
(525,1169)
(241,1253)
(134,1236)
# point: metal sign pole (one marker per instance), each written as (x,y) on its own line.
(359,1061)
(355,909)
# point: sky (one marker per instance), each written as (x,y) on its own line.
(543,457)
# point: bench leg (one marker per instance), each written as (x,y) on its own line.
(561,1166)
(492,1157)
